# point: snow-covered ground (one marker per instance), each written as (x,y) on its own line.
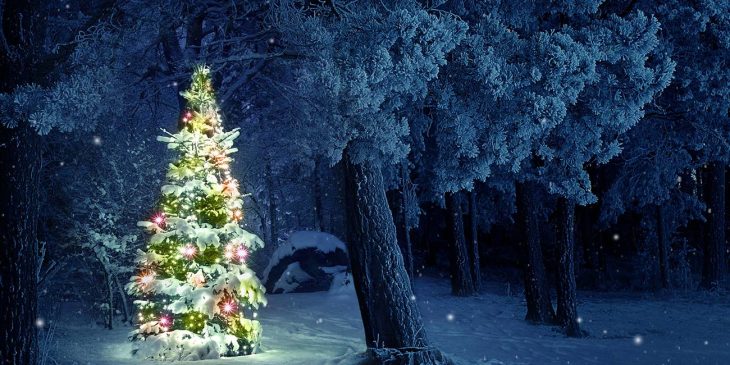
(325,328)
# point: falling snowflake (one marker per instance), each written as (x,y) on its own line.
(638,340)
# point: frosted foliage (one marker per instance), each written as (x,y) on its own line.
(365,67)
(79,101)
(689,123)
(528,97)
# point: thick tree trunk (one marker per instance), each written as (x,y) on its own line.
(317,196)
(476,272)
(408,252)
(461,280)
(396,201)
(394,330)
(714,265)
(663,249)
(408,195)
(567,312)
(537,293)
(20,165)
(403,232)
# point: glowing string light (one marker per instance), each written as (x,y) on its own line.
(229,252)
(230,187)
(237,214)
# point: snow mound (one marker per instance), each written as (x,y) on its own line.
(294,275)
(308,261)
(177,345)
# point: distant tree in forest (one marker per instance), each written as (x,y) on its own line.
(552,100)
(680,152)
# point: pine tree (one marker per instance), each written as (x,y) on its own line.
(196,296)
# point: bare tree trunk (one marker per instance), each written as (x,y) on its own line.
(110,299)
(590,240)
(567,312)
(714,265)
(20,163)
(537,293)
(476,271)
(273,229)
(394,331)
(124,300)
(461,280)
(663,249)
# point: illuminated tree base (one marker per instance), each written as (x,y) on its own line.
(185,345)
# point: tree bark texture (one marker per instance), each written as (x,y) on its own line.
(537,293)
(461,280)
(394,330)
(20,165)
(396,202)
(567,311)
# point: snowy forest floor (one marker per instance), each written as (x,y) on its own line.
(325,328)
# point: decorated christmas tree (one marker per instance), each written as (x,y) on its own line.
(196,297)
